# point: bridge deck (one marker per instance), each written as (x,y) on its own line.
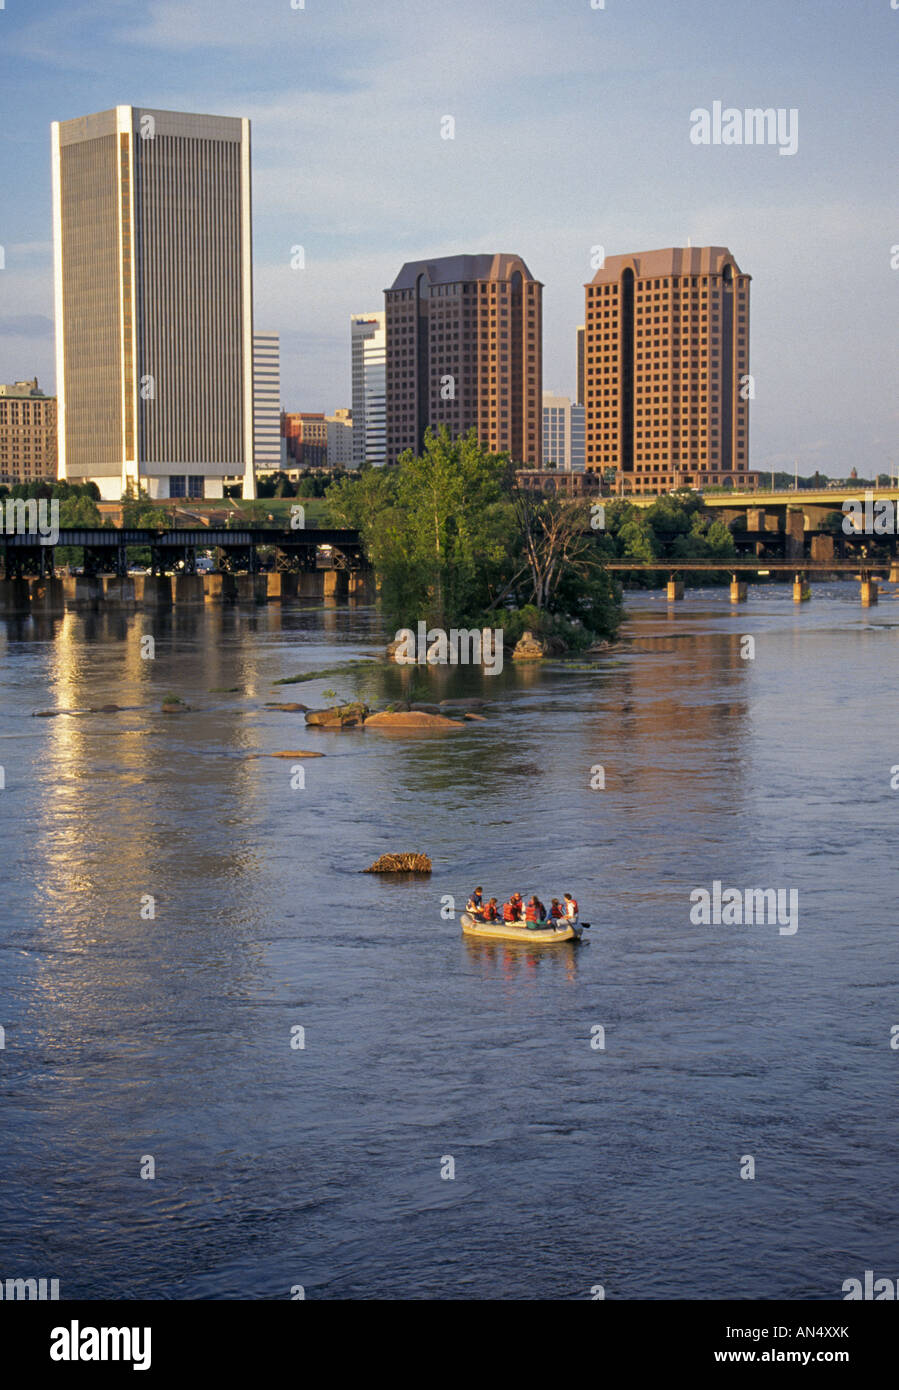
(757,566)
(107,537)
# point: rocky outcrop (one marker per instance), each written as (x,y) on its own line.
(400,864)
(532,648)
(412,720)
(338,716)
(528,648)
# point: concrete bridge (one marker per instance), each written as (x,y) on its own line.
(252,566)
(865,570)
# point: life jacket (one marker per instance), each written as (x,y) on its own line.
(532,913)
(490,914)
(476,900)
(556,912)
(510,912)
(571,907)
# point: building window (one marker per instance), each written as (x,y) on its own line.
(176,485)
(195,486)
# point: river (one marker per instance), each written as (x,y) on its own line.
(164,1034)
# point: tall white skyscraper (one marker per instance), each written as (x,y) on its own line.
(266,401)
(369,350)
(154,301)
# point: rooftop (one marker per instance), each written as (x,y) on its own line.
(671,260)
(453,270)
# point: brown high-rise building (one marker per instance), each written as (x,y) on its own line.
(306,433)
(464,349)
(666,369)
(27,433)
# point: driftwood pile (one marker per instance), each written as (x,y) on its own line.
(400,864)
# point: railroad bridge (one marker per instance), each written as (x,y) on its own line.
(106,550)
(251,565)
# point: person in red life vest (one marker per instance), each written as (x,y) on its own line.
(556,912)
(491,911)
(513,910)
(571,909)
(532,911)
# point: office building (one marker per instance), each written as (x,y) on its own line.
(266,402)
(340,439)
(369,366)
(154,301)
(27,433)
(464,349)
(563,434)
(666,370)
(306,433)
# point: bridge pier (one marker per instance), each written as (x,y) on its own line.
(153,590)
(337,583)
(252,588)
(361,584)
(738,590)
(47,595)
(869,593)
(88,590)
(189,588)
(894,572)
(14,596)
(675,589)
(312,583)
(802,590)
(282,586)
(120,591)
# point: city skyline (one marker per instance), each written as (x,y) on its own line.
(600,111)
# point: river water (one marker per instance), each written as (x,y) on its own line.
(132,1038)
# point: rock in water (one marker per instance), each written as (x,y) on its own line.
(295,753)
(338,716)
(400,864)
(412,720)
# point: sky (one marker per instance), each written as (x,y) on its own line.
(572,130)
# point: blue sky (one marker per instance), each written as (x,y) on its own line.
(572,129)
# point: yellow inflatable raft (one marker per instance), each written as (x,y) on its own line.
(511,931)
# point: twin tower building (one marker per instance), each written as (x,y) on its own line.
(154,330)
